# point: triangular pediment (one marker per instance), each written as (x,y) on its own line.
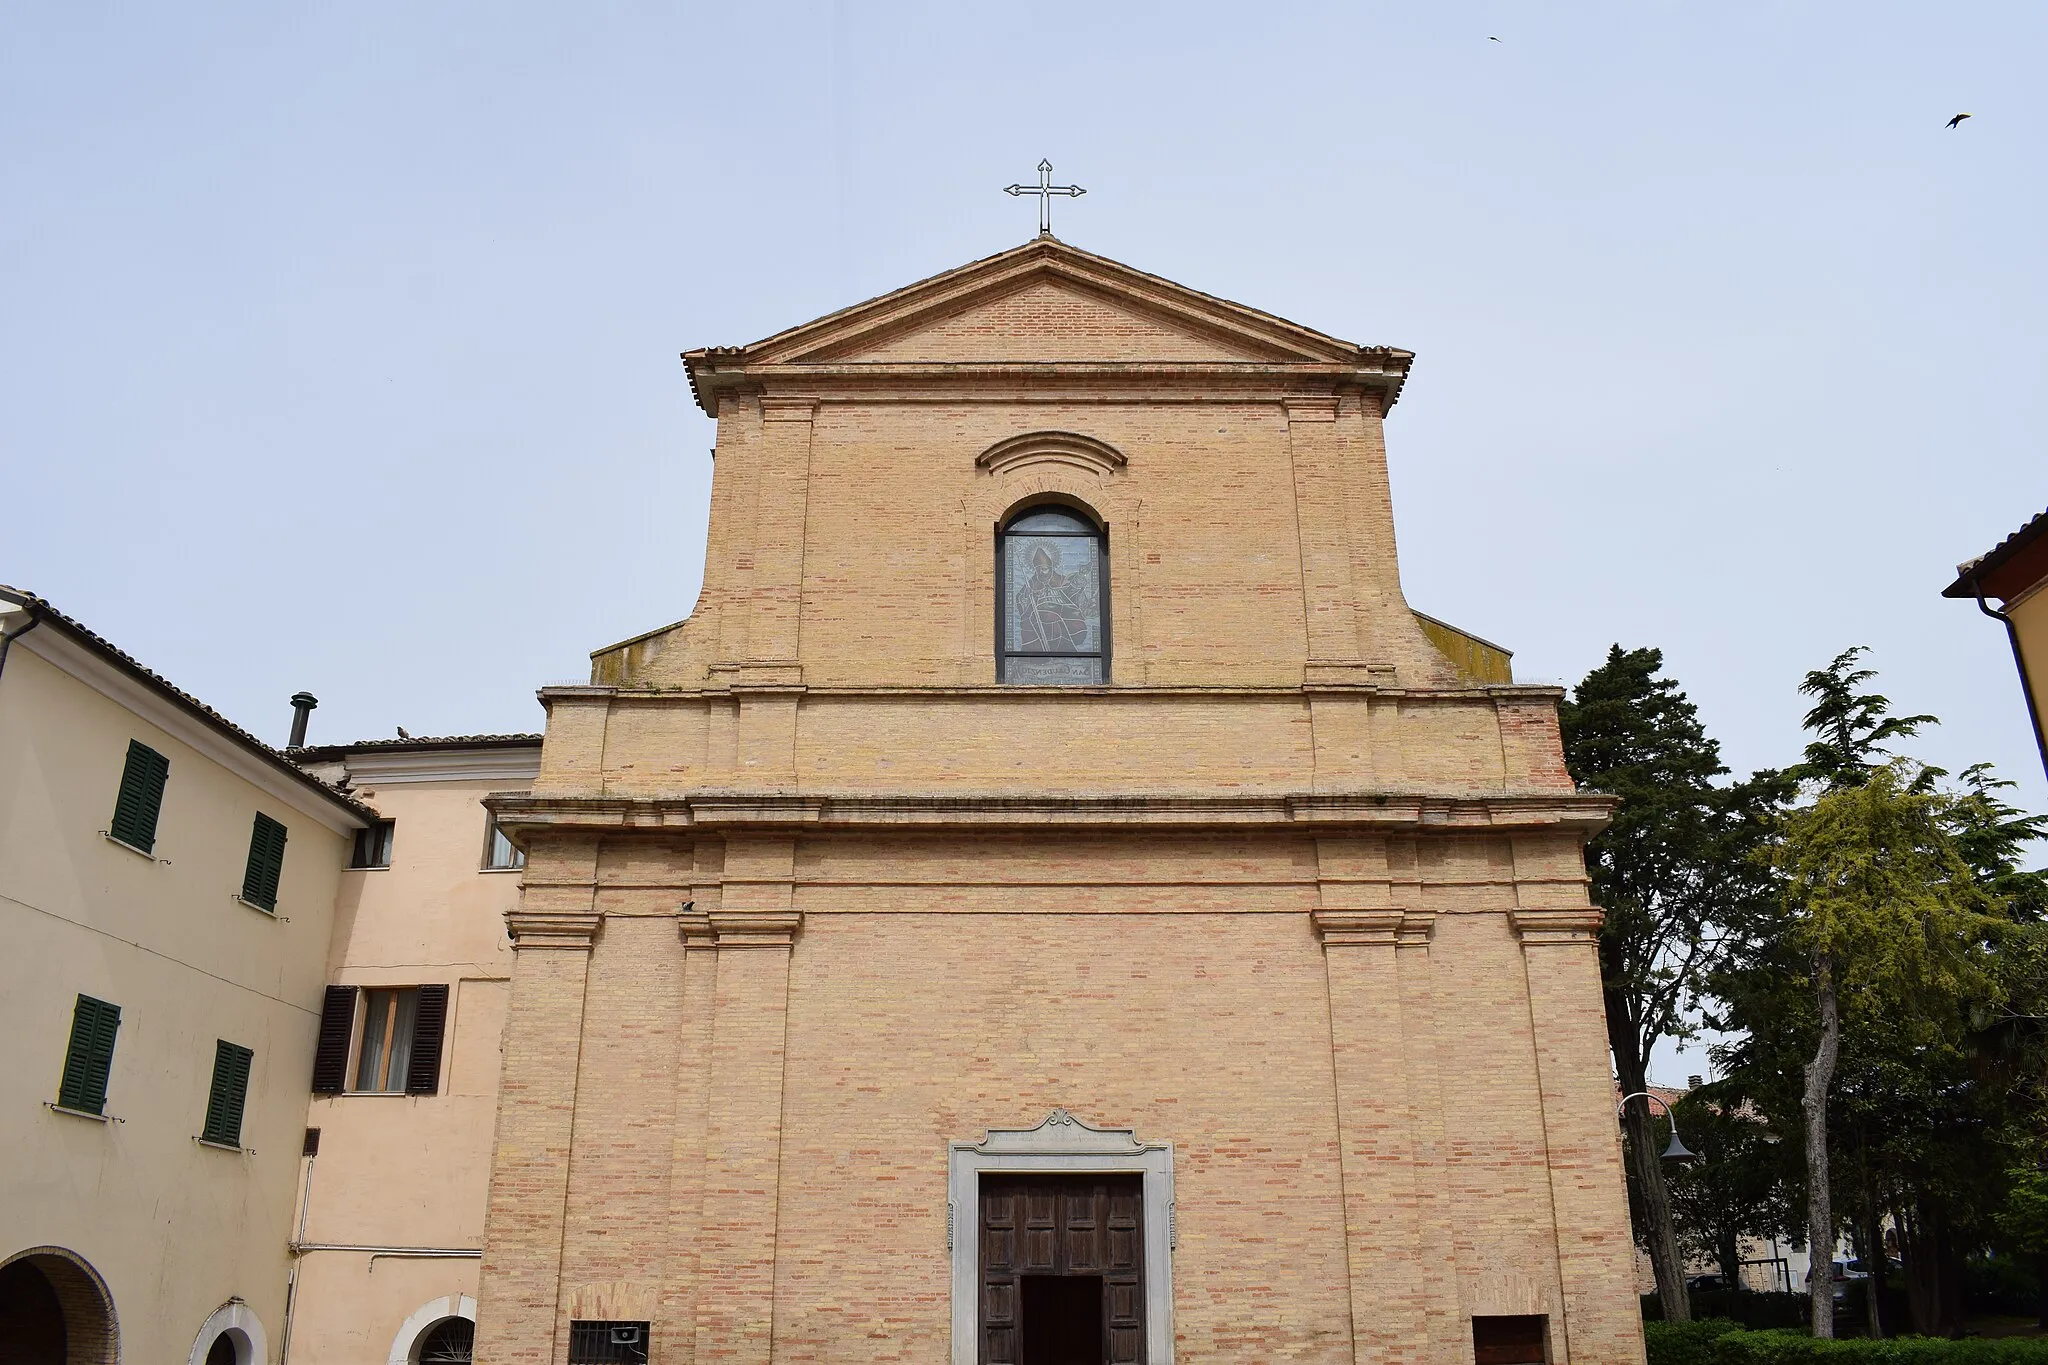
(1046,320)
(1048,303)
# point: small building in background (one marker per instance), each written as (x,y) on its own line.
(405,1077)
(168,889)
(2015,574)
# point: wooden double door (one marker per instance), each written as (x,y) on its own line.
(1062,1270)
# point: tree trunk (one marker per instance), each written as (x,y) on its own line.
(2041,1292)
(1873,1263)
(1654,1212)
(1730,1251)
(1820,1217)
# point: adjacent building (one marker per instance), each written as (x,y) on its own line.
(168,888)
(391,1215)
(254,999)
(2015,573)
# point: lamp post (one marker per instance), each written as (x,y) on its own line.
(1677,1151)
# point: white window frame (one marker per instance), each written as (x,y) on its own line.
(1061,1145)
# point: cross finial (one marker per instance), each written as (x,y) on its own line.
(1045,190)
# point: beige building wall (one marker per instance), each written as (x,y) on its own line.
(177,1234)
(814,904)
(394,1201)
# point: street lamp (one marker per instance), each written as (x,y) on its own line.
(1677,1151)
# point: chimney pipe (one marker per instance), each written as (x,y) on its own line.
(302,711)
(1692,1082)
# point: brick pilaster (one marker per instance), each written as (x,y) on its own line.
(520,1280)
(754,930)
(1595,1258)
(1376,1134)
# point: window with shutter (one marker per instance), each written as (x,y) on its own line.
(337,1022)
(230,1091)
(141,798)
(266,863)
(429,1022)
(90,1056)
(384,1061)
(372,846)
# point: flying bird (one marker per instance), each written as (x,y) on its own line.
(1491,39)
(1957,119)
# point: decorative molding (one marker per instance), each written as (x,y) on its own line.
(1386,928)
(518,766)
(1362,812)
(1558,925)
(1058,1131)
(1094,457)
(573,930)
(1317,407)
(783,408)
(694,926)
(754,928)
(1060,1144)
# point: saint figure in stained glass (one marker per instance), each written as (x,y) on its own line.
(1052,599)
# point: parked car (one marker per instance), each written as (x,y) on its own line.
(1841,1279)
(1858,1271)
(1705,1283)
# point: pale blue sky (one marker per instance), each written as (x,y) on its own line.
(338,346)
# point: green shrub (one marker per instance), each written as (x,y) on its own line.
(1747,1308)
(1715,1341)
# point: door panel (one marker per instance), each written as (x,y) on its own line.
(1065,1225)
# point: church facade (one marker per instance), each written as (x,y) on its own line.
(1053,900)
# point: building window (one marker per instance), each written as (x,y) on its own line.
(90,1056)
(499,852)
(141,798)
(1509,1340)
(1052,598)
(387,1039)
(228,1095)
(400,1031)
(373,846)
(450,1341)
(266,863)
(607,1343)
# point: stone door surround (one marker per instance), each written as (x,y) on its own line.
(1061,1144)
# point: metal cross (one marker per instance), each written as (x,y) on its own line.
(1045,190)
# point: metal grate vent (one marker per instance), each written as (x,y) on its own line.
(608,1343)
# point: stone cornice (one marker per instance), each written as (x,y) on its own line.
(556,929)
(1387,812)
(1558,925)
(1497,692)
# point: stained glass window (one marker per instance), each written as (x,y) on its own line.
(1051,624)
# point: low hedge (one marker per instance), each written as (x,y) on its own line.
(1717,1341)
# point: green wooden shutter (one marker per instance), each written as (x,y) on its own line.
(90,1056)
(230,1091)
(141,798)
(266,863)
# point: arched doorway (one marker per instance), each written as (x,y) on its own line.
(55,1310)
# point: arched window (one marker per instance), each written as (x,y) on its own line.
(1052,599)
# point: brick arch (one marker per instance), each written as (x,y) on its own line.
(1044,467)
(92,1334)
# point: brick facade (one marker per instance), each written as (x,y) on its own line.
(810,896)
